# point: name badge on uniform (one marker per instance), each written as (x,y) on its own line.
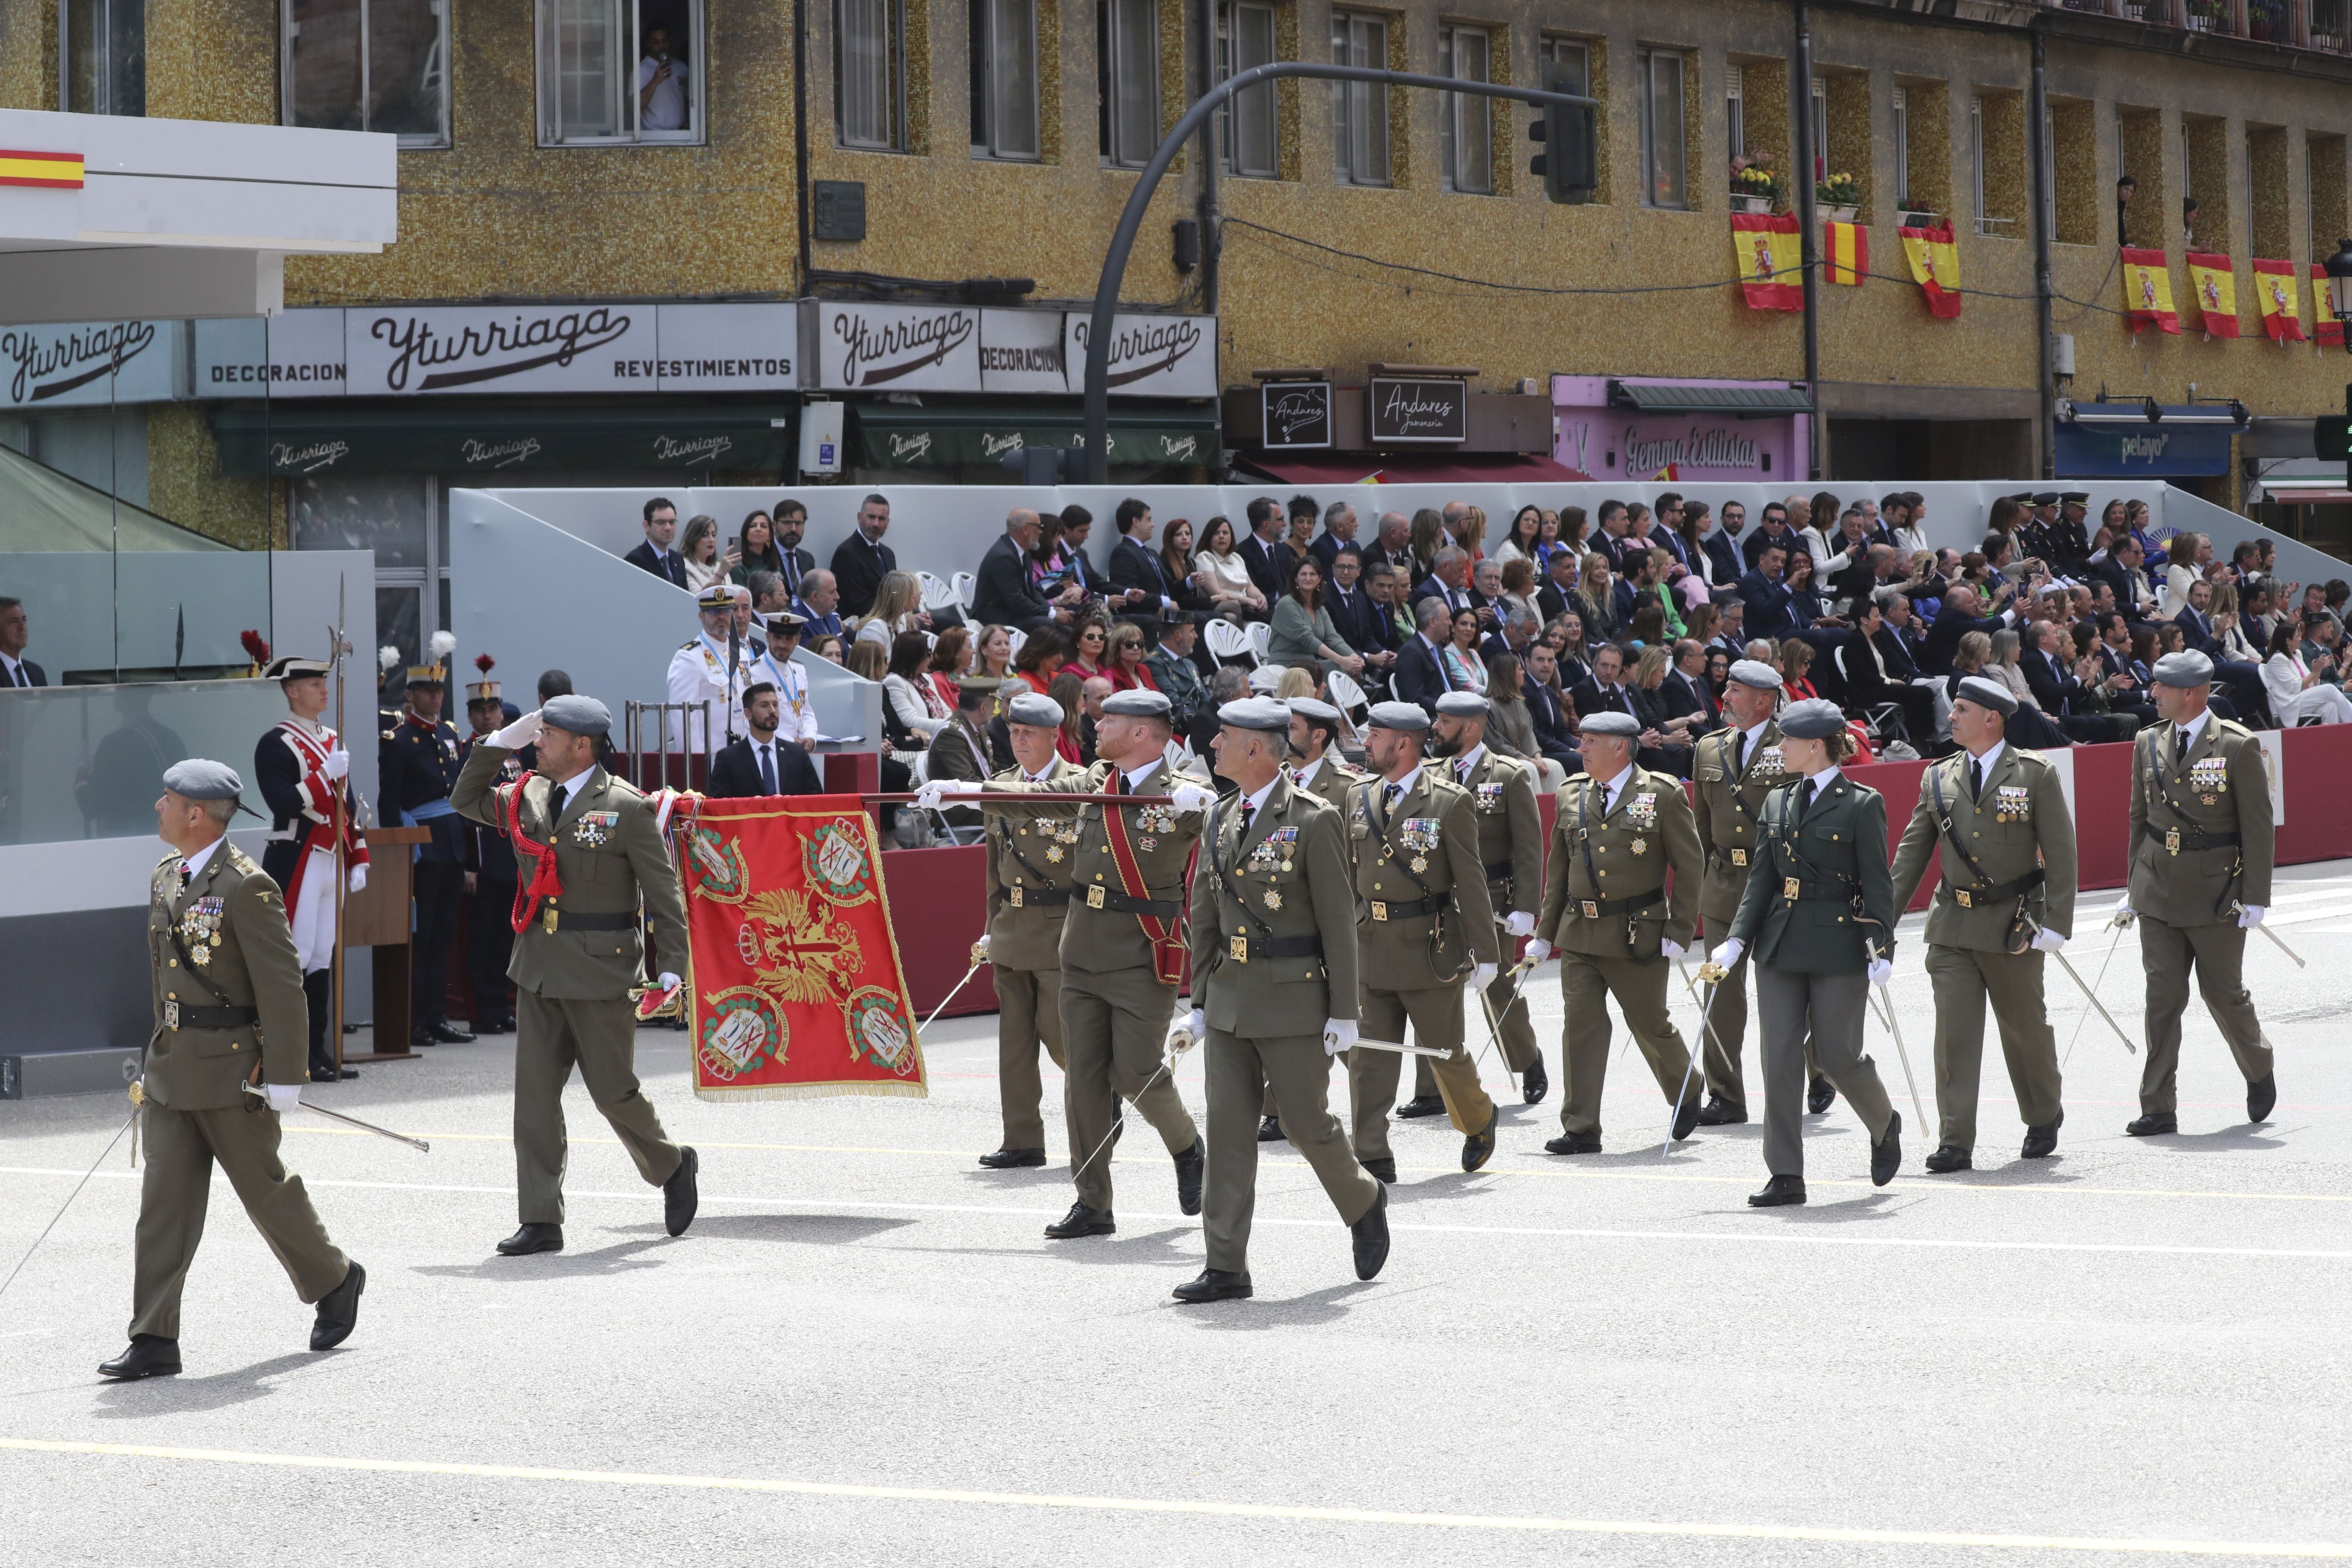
(2012,803)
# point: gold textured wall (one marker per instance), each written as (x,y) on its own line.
(28,54)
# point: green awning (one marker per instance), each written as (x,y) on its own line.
(901,436)
(1748,402)
(456,437)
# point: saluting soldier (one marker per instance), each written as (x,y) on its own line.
(589,850)
(702,669)
(1992,825)
(229,1016)
(1029,868)
(1315,767)
(1511,844)
(418,763)
(302,771)
(1425,927)
(1819,914)
(1618,833)
(1122,945)
(1732,770)
(2202,848)
(1275,972)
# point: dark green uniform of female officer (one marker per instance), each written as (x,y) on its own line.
(1819,912)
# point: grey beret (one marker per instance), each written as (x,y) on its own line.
(1253,713)
(1266,679)
(1035,708)
(1990,694)
(200,779)
(1405,716)
(1755,672)
(2186,667)
(1315,708)
(578,716)
(1611,725)
(1463,705)
(1137,704)
(1816,719)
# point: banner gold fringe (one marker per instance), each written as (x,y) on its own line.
(818,1092)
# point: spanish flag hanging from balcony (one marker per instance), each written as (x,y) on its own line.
(1935,261)
(2326,330)
(1845,252)
(2215,283)
(1770,264)
(2275,288)
(2148,290)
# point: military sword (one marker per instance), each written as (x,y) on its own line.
(419,1145)
(2118,919)
(1401,1049)
(1713,974)
(1179,1040)
(2075,975)
(127,1125)
(1887,1013)
(2281,942)
(977,958)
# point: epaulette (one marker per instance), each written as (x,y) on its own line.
(1006,775)
(1440,784)
(167,859)
(688,643)
(2234,727)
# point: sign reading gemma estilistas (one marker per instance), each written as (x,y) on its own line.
(1295,414)
(1420,410)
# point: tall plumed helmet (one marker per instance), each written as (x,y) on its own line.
(387,658)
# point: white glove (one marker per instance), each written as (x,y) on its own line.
(1197,1025)
(338,763)
(1483,976)
(1882,970)
(2249,915)
(282,1097)
(359,878)
(519,734)
(668,981)
(1673,951)
(2047,941)
(936,790)
(1518,922)
(1190,797)
(1338,1035)
(1727,954)
(980,948)
(1536,951)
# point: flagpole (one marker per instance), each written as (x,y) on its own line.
(343,787)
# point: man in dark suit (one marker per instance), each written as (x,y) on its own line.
(1393,543)
(2124,571)
(759,763)
(1722,545)
(1772,528)
(1002,593)
(2060,693)
(1683,690)
(1769,613)
(1140,590)
(790,519)
(1420,675)
(860,562)
(1339,534)
(15,669)
(1264,518)
(1555,735)
(1872,677)
(654,554)
(1638,587)
(1602,691)
(1897,638)
(1552,598)
(1353,615)
(1615,526)
(1956,620)
(1384,629)
(1447,582)
(819,605)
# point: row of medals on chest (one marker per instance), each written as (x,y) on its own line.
(201,924)
(1149,821)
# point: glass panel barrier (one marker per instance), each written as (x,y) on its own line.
(86,762)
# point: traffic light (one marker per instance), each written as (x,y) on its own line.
(1566,163)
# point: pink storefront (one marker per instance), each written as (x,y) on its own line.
(1647,428)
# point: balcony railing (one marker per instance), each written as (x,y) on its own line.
(2323,26)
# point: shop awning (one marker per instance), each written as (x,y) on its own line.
(1415,468)
(901,436)
(455,437)
(1749,401)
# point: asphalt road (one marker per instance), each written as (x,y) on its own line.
(863,1352)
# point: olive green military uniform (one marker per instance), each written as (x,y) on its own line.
(2007,856)
(1426,922)
(1331,782)
(1274,957)
(1727,796)
(228,1013)
(1803,927)
(1029,866)
(1117,1013)
(573,965)
(1607,911)
(2202,841)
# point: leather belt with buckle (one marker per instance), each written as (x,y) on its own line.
(1591,908)
(1094,895)
(1739,856)
(1789,888)
(1014,895)
(1239,948)
(1960,897)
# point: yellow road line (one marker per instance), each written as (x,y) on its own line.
(1688,1530)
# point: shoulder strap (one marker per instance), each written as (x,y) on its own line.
(1951,833)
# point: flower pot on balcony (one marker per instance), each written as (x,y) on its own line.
(1839,215)
(2135,10)
(2200,24)
(1746,204)
(2258,28)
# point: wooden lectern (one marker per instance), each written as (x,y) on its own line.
(379,916)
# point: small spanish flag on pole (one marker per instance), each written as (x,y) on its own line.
(59,170)
(1845,251)
(2148,290)
(2326,330)
(2215,284)
(2275,288)
(1935,261)
(1770,263)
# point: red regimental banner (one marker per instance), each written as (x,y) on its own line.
(796,986)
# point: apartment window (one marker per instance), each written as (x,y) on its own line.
(1820,108)
(1735,109)
(1664,167)
(1568,64)
(1129,122)
(869,74)
(369,65)
(1360,110)
(1004,78)
(615,71)
(1465,122)
(103,56)
(1246,121)
(1902,148)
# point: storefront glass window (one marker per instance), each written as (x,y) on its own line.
(369,65)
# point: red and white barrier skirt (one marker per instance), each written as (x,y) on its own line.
(796,986)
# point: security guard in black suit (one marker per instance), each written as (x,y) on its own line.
(418,763)
(491,867)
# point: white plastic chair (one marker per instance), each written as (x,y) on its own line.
(937,595)
(962,584)
(1228,642)
(1346,694)
(1013,637)
(1261,638)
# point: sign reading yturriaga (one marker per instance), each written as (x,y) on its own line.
(1150,357)
(857,347)
(1295,414)
(400,352)
(1420,410)
(88,361)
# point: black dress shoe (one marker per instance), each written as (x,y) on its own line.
(1214,1285)
(1013,1159)
(329,1074)
(1190,1164)
(1949,1157)
(339,1308)
(1380,1167)
(1269,1129)
(1479,1147)
(2154,1123)
(1371,1234)
(679,1197)
(1720,1112)
(1082,1221)
(1574,1143)
(493,1025)
(1886,1154)
(2040,1142)
(447,1034)
(1779,1193)
(420,1038)
(1686,1109)
(1534,1083)
(2261,1095)
(533,1238)
(1422,1105)
(1818,1095)
(150,1355)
